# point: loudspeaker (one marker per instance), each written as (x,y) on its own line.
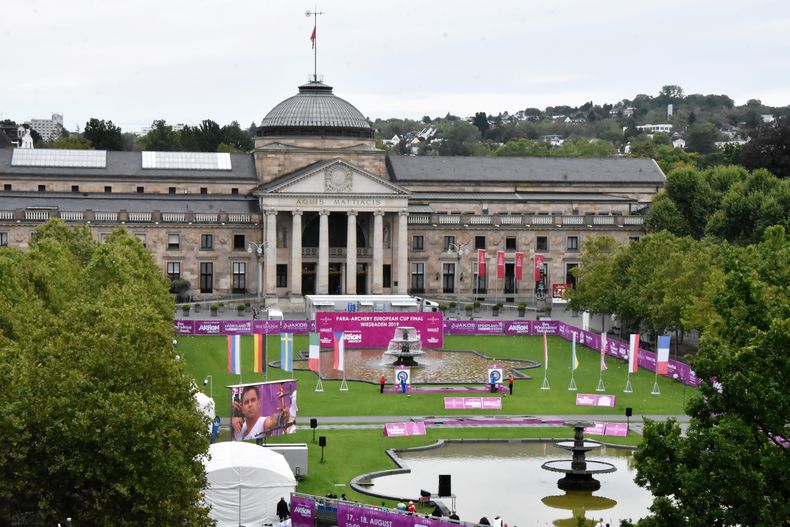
(313,422)
(444,485)
(629,412)
(321,440)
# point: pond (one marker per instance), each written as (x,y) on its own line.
(505,478)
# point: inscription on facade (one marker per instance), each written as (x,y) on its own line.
(340,202)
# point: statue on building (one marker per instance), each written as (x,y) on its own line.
(26,140)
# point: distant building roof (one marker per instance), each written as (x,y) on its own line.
(413,169)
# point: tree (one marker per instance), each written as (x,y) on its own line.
(98,415)
(103,135)
(595,281)
(731,467)
(161,138)
(770,149)
(239,139)
(701,138)
(481,122)
(72,142)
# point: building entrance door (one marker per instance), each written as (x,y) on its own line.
(362,278)
(336,278)
(308,278)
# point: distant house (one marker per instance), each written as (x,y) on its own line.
(553,140)
(767,118)
(392,142)
(679,142)
(653,128)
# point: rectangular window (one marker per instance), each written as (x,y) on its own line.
(3,239)
(239,277)
(449,241)
(510,278)
(206,277)
(448,278)
(107,189)
(7,187)
(239,242)
(204,190)
(417,243)
(141,237)
(234,190)
(171,190)
(542,243)
(282,275)
(140,190)
(573,243)
(42,188)
(173,242)
(417,277)
(480,242)
(207,242)
(103,237)
(510,243)
(75,188)
(386,275)
(633,239)
(570,277)
(174,270)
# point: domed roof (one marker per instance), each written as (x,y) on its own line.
(315,110)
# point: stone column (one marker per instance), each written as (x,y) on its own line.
(351,254)
(296,253)
(270,280)
(378,252)
(322,280)
(403,252)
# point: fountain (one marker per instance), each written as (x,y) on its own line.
(578,471)
(405,348)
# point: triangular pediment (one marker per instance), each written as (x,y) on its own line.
(333,177)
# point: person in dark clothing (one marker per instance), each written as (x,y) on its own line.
(484,521)
(437,512)
(282,510)
(382,382)
(510,384)
(454,516)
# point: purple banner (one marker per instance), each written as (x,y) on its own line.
(549,327)
(237,327)
(354,515)
(472,403)
(460,327)
(243,327)
(489,327)
(375,330)
(207,327)
(518,327)
(598,429)
(616,429)
(591,399)
(302,511)
(404,429)
(184,327)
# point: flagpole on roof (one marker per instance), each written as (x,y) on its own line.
(314,38)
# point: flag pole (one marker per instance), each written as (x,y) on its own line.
(656,389)
(600,387)
(628,388)
(572,386)
(318,386)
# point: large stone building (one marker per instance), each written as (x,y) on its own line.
(317,208)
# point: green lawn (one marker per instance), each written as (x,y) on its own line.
(208,355)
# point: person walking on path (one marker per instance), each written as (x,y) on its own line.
(282,510)
(510,384)
(382,382)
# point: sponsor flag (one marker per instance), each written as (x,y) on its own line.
(633,353)
(519,265)
(481,263)
(604,344)
(312,39)
(545,351)
(314,353)
(662,362)
(258,343)
(287,351)
(234,354)
(340,350)
(538,266)
(574,359)
(500,265)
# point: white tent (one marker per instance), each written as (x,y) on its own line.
(245,482)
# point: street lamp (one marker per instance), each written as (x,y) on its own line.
(207,380)
(460,250)
(259,249)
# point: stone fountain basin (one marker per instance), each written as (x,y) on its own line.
(565,466)
(571,445)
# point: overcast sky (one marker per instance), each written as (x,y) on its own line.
(188,60)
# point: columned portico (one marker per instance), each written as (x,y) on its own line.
(296,253)
(403,252)
(322,282)
(351,254)
(378,252)
(271,260)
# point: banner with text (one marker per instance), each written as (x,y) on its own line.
(302,511)
(404,429)
(375,330)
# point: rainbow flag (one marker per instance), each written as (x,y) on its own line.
(314,356)
(234,354)
(633,353)
(340,350)
(258,345)
(287,351)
